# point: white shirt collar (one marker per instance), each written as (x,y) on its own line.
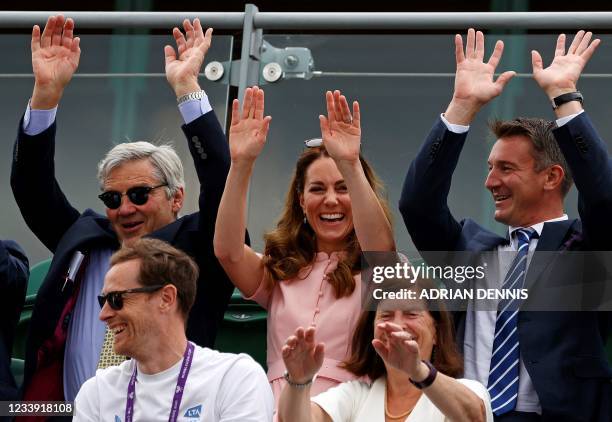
(538,227)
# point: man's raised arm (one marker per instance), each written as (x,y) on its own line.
(55,58)
(423,203)
(207,142)
(586,154)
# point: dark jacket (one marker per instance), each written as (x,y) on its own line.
(563,352)
(14,274)
(64,230)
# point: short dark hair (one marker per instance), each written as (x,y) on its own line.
(545,147)
(161,263)
(364,361)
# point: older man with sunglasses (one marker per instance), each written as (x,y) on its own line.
(146,298)
(143,191)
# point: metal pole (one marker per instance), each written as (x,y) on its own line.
(316,74)
(249,55)
(324,21)
(132,20)
(433,20)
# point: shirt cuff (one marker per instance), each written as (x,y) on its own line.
(453,127)
(37,121)
(192,109)
(564,120)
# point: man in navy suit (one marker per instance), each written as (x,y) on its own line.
(555,367)
(14,274)
(142,190)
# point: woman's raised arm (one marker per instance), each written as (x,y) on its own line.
(341,133)
(247,136)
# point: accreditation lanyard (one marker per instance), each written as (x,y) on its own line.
(178,391)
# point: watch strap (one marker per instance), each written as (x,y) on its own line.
(429,379)
(566,98)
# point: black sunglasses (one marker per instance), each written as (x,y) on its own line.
(115,299)
(138,195)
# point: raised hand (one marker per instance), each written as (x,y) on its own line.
(303,357)
(474,79)
(182,71)
(341,131)
(399,350)
(55,58)
(249,129)
(563,73)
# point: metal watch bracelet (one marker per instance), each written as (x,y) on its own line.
(295,384)
(197,95)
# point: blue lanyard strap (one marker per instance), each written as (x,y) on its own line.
(178,391)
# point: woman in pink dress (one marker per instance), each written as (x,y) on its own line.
(309,272)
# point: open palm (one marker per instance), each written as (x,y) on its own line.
(192,48)
(562,74)
(341,131)
(55,54)
(249,129)
(474,78)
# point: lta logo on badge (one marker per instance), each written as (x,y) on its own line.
(194,412)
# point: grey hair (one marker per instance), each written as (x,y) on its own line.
(167,166)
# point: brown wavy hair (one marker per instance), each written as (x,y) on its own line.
(364,361)
(292,245)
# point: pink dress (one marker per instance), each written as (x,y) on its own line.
(310,300)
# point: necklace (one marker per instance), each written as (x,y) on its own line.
(389,415)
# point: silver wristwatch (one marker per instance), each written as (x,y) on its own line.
(197,95)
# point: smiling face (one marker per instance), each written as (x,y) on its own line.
(327,205)
(418,322)
(131,221)
(134,325)
(519,191)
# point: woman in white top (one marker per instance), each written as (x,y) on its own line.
(391,349)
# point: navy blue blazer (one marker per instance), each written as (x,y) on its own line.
(14,272)
(563,352)
(64,230)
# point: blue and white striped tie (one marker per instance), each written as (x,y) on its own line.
(504,371)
